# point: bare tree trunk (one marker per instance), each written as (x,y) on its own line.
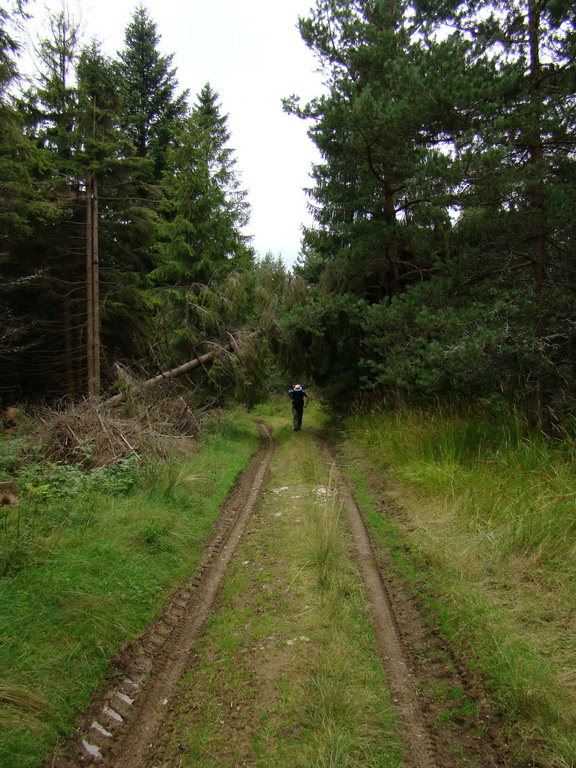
(540,415)
(89,293)
(92,289)
(96,285)
(536,147)
(172,373)
(68,347)
(392,248)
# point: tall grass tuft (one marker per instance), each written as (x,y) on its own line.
(491,520)
(324,533)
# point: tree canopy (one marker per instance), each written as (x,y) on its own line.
(441,249)
(440,259)
(122,215)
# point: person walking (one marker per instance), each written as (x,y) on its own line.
(299,399)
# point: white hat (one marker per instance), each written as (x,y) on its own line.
(297,387)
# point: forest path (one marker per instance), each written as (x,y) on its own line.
(286,649)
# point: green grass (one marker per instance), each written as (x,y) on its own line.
(86,570)
(278,412)
(489,519)
(287,672)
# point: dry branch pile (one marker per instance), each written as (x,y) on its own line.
(156,422)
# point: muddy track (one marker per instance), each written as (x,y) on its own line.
(419,661)
(125,719)
(419,751)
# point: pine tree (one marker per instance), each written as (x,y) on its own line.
(385,182)
(382,189)
(443,200)
(152,110)
(518,188)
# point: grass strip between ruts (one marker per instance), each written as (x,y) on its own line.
(287,671)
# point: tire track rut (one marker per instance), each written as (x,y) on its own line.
(419,749)
(145,722)
(125,720)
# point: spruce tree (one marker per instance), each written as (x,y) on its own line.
(90,228)
(152,108)
(119,226)
(201,242)
(51,259)
(234,209)
(22,206)
(19,199)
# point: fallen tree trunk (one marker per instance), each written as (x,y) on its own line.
(172,373)
(178,371)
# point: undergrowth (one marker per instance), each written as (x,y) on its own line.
(489,516)
(86,559)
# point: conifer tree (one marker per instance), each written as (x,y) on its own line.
(383,186)
(201,242)
(21,207)
(119,226)
(152,109)
(447,150)
(19,200)
(51,257)
(89,222)
(205,210)
(234,209)
(518,188)
(98,140)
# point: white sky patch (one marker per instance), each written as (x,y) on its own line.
(252,54)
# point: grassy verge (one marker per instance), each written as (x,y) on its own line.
(489,518)
(86,562)
(287,672)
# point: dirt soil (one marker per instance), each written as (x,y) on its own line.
(428,677)
(428,682)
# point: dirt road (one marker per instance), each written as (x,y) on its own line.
(293,645)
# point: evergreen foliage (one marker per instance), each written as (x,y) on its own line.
(202,280)
(152,110)
(442,202)
(121,213)
(439,263)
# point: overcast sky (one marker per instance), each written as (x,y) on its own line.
(251,53)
